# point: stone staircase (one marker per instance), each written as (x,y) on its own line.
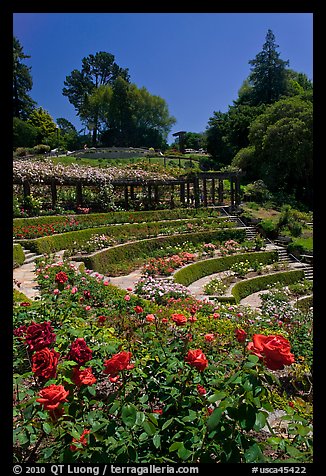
(30,257)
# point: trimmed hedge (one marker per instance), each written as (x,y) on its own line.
(18,255)
(249,286)
(99,219)
(111,260)
(305,303)
(195,271)
(18,296)
(121,233)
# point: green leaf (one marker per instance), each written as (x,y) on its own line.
(217,396)
(128,415)
(149,428)
(254,454)
(47,428)
(183,452)
(92,391)
(157,441)
(253,358)
(140,417)
(167,423)
(260,420)
(214,419)
(175,446)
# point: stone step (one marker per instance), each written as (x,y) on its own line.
(31,259)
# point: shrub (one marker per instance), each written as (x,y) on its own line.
(41,149)
(268,228)
(18,255)
(195,271)
(249,286)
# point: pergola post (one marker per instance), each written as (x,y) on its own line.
(149,194)
(182,193)
(232,192)
(26,188)
(220,191)
(156,195)
(213,192)
(205,192)
(54,195)
(79,194)
(126,196)
(196,191)
(132,192)
(237,191)
(188,192)
(172,197)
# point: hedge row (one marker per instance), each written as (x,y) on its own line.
(195,271)
(249,286)
(130,255)
(98,219)
(121,233)
(18,255)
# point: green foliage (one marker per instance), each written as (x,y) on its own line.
(195,271)
(23,104)
(19,255)
(249,286)
(24,135)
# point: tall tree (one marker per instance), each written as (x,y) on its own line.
(97,70)
(23,104)
(45,125)
(268,73)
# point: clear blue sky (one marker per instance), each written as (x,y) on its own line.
(195,61)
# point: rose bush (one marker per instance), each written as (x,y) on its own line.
(129,389)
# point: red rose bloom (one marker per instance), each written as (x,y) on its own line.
(52,396)
(83,377)
(44,363)
(25,304)
(274,350)
(118,362)
(201,390)
(150,318)
(61,277)
(80,352)
(209,337)
(138,309)
(179,319)
(240,335)
(39,336)
(20,331)
(82,440)
(196,358)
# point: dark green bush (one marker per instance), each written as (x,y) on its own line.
(268,228)
(249,286)
(195,271)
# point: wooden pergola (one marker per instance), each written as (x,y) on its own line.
(195,189)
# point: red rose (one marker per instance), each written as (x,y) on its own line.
(209,337)
(80,352)
(274,350)
(240,335)
(197,359)
(44,363)
(179,319)
(118,362)
(101,318)
(20,331)
(201,390)
(61,277)
(25,304)
(39,336)
(138,309)
(82,440)
(83,377)
(150,318)
(52,396)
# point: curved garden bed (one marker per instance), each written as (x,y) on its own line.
(195,271)
(110,260)
(71,240)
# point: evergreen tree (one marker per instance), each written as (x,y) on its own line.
(268,73)
(23,104)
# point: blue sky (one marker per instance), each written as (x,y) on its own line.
(195,61)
